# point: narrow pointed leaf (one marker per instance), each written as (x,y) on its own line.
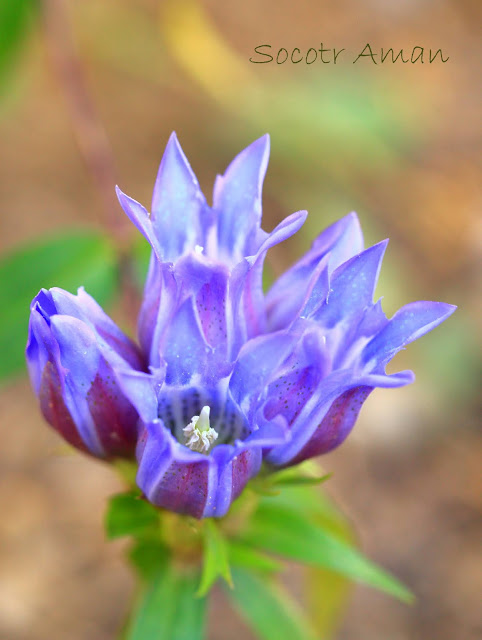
(149,556)
(127,514)
(282,530)
(168,609)
(295,480)
(268,608)
(242,555)
(216,558)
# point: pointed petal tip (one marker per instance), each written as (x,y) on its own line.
(137,214)
(174,172)
(173,144)
(298,218)
(353,223)
(124,199)
(376,251)
(263,143)
(438,311)
(35,304)
(173,158)
(442,310)
(402,378)
(351,219)
(392,380)
(382,244)
(257,151)
(449,308)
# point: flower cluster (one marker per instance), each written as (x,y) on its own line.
(224,376)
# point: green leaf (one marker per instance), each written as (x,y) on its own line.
(242,555)
(268,608)
(216,559)
(15,19)
(282,479)
(311,503)
(286,531)
(149,557)
(168,609)
(270,483)
(129,515)
(69,261)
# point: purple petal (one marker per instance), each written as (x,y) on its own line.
(284,230)
(352,287)
(294,382)
(343,240)
(336,425)
(330,413)
(72,361)
(161,294)
(105,419)
(175,478)
(177,204)
(372,321)
(85,308)
(184,347)
(269,433)
(237,199)
(256,363)
(335,245)
(232,478)
(207,282)
(316,291)
(53,407)
(311,416)
(409,323)
(187,314)
(211,305)
(139,216)
(180,484)
(143,390)
(41,346)
(114,417)
(246,284)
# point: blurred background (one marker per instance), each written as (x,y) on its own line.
(89,93)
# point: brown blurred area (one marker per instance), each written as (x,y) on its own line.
(398,143)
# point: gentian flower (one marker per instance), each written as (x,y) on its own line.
(225,377)
(73,353)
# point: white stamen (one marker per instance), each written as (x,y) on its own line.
(198,248)
(199,434)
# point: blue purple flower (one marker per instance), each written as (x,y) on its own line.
(225,377)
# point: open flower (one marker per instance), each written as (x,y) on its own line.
(233,376)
